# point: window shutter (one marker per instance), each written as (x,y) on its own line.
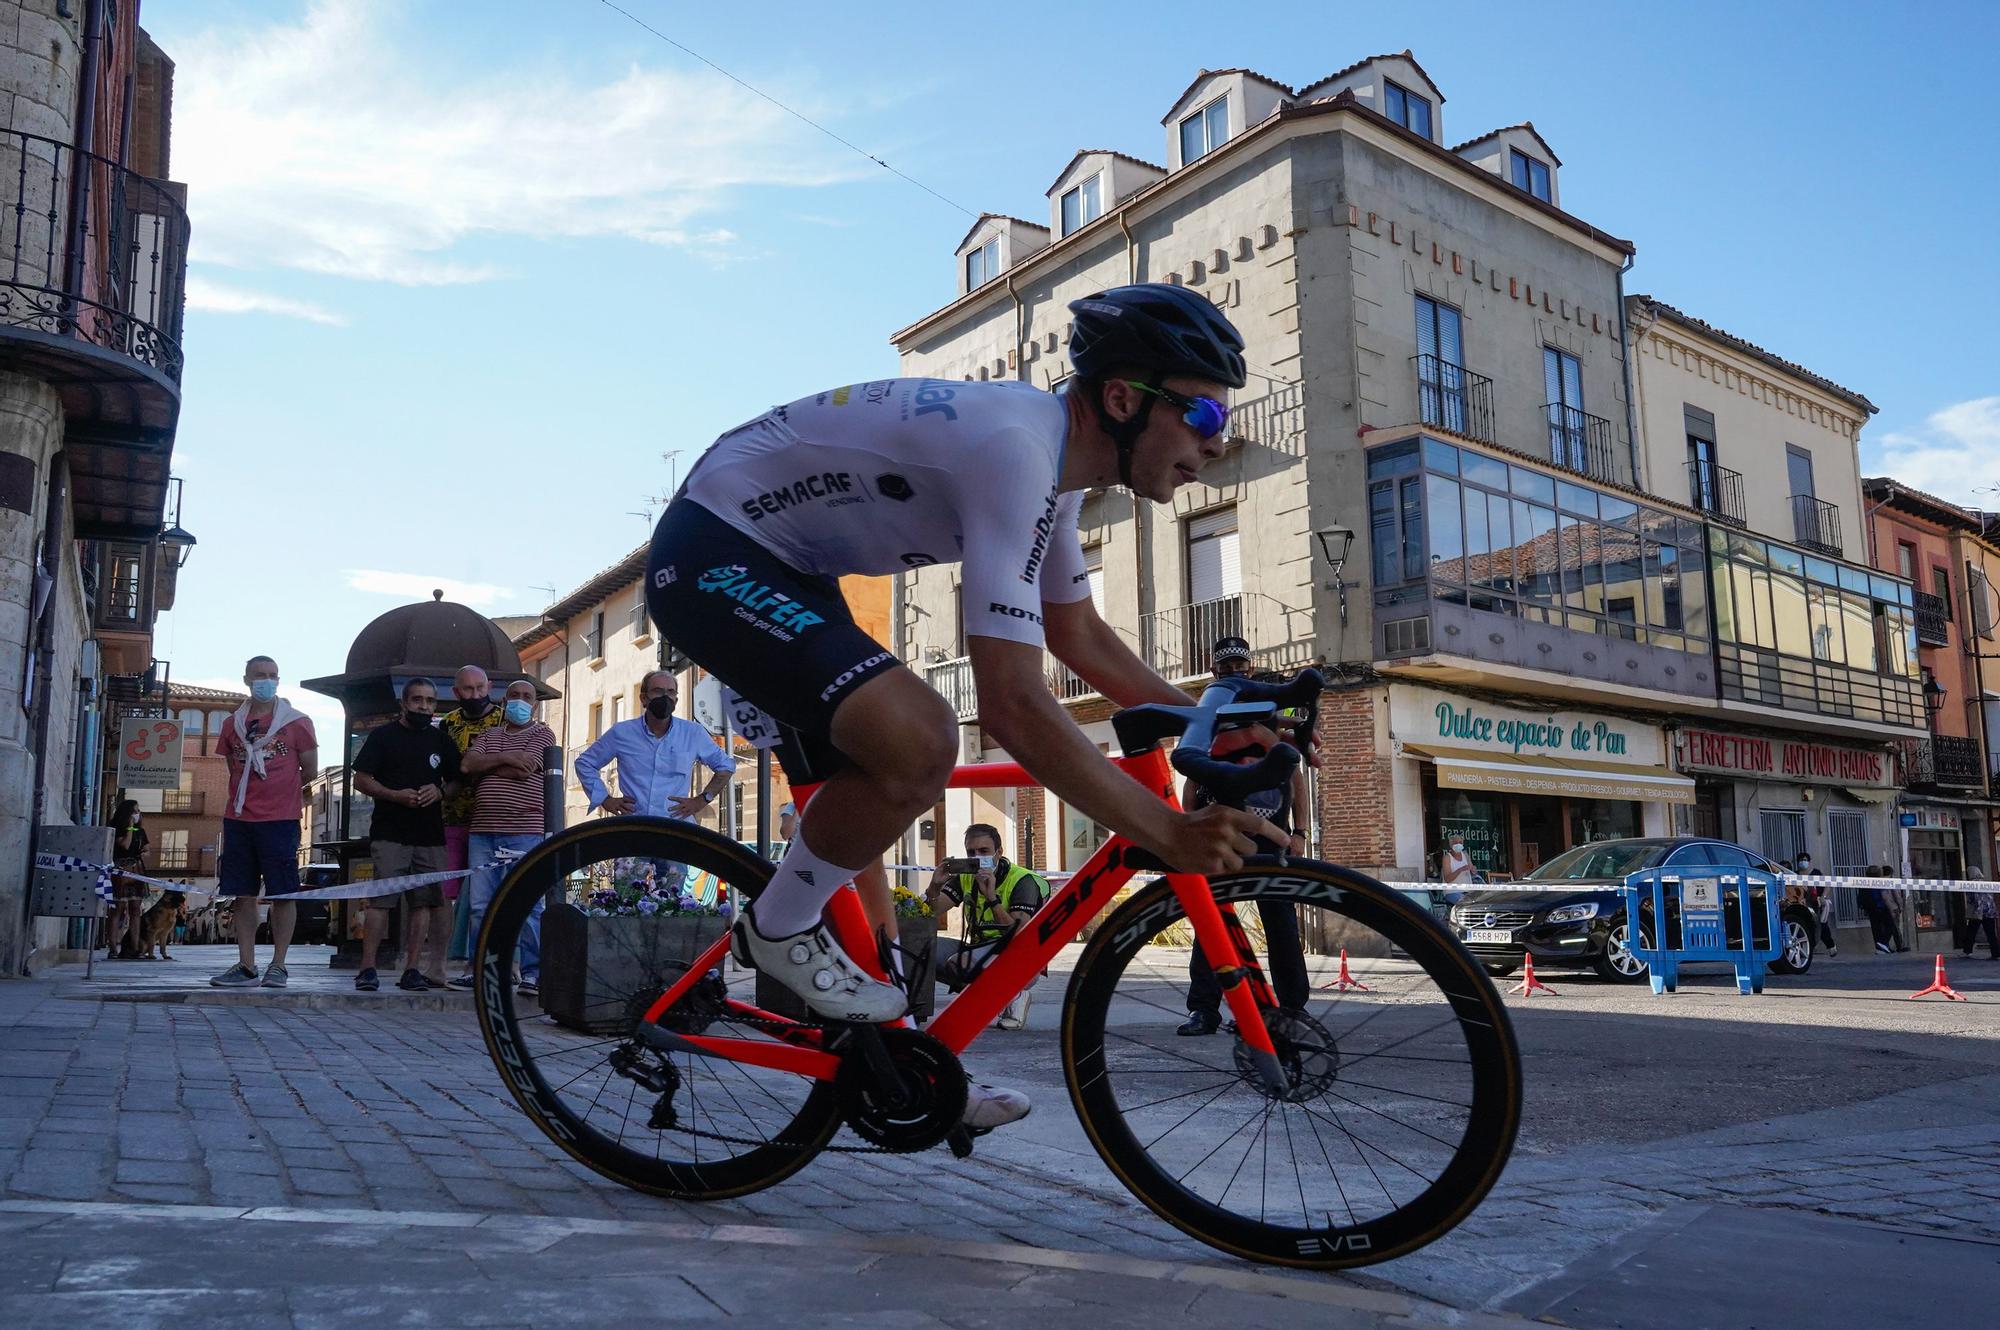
(1093,567)
(1214,569)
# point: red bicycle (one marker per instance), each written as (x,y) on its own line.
(1350,1127)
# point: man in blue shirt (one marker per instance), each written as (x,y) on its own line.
(655,753)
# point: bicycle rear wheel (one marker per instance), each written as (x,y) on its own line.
(675,1124)
(1402,1100)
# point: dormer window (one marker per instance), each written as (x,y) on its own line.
(982,265)
(1406,108)
(1084,204)
(1205,130)
(1530,173)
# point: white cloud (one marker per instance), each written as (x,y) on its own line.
(220,299)
(1954,455)
(330,145)
(418,586)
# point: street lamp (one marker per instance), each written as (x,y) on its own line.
(1334,543)
(176,541)
(1934,694)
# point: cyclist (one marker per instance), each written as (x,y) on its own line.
(881,477)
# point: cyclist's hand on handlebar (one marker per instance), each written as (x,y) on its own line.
(1216,839)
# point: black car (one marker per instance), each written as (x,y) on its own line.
(1587,927)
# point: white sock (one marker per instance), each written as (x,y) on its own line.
(799,890)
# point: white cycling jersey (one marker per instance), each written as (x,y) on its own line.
(897,474)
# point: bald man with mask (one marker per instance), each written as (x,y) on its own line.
(475,714)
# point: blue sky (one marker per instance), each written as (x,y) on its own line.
(463,273)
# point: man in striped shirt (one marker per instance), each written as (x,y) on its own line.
(507,814)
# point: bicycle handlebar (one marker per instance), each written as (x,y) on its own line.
(1232,701)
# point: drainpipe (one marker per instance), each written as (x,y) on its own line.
(1131,250)
(1868,523)
(1631,378)
(45,637)
(1020,315)
(84,139)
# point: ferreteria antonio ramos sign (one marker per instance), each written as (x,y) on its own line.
(1781,759)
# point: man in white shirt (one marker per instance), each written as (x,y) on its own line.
(655,753)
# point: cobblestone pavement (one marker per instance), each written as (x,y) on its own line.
(1833,1096)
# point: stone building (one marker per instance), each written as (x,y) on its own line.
(91,274)
(1439,484)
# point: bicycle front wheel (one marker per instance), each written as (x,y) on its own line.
(1404,1082)
(675,1124)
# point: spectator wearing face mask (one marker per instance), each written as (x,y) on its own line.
(655,754)
(507,817)
(1458,872)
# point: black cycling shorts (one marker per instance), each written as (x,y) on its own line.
(782,638)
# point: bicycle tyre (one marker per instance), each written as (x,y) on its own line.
(508,1038)
(1493,1115)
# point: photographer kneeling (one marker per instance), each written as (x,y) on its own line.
(998,897)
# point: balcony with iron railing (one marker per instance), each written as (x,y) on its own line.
(1717,491)
(1933,618)
(953,681)
(1179,642)
(175,861)
(1452,398)
(1580,442)
(183,803)
(1816,524)
(1943,761)
(93,268)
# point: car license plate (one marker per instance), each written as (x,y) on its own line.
(1489,935)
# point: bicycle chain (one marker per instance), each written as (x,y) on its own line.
(778,1027)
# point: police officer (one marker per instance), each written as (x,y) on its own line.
(1283,806)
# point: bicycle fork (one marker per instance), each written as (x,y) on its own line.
(1244,987)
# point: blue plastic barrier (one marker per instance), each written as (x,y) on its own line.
(1686,915)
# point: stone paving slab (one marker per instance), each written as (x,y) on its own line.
(92,1264)
(1845,1101)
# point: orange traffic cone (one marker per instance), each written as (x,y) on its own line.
(1344,981)
(1529,985)
(1940,985)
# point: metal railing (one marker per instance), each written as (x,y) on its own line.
(91,250)
(1816,524)
(1066,683)
(183,802)
(1933,614)
(1580,441)
(1717,491)
(1275,420)
(1943,760)
(1451,397)
(1179,641)
(953,680)
(167,861)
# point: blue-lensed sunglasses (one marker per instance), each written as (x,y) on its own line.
(1207,416)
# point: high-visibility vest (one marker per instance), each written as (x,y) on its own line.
(984,922)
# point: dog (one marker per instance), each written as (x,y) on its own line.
(156,926)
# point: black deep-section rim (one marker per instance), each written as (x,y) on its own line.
(1494,1116)
(493,997)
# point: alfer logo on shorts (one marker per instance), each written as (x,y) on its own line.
(735,582)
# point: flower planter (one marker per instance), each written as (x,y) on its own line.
(594,968)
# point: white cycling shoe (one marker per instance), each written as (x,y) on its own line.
(990,1106)
(820,971)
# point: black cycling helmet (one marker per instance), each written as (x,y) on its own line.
(1158,328)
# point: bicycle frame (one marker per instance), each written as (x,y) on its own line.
(1015,966)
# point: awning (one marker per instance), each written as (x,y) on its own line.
(1506,773)
(1870,795)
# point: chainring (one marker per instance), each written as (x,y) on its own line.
(933,1089)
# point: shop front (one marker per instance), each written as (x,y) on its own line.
(1519,782)
(1788,794)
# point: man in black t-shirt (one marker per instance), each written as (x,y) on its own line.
(408,767)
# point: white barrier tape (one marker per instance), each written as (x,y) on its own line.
(381,886)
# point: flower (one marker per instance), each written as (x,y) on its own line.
(910,905)
(629,887)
